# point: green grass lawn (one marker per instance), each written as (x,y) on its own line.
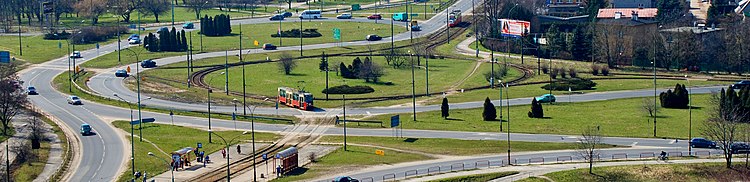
(181,14)
(329,3)
(170,138)
(620,117)
(443,146)
(477,177)
(424,11)
(350,31)
(29,170)
(37,50)
(661,172)
(356,157)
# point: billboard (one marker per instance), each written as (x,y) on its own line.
(515,28)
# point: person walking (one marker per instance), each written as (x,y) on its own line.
(224,153)
(239,151)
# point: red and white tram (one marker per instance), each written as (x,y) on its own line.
(295,98)
(454,18)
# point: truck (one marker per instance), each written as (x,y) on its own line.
(401,16)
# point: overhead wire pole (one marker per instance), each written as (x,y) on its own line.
(300,37)
(244,96)
(187,59)
(132,148)
(476,34)
(226,70)
(172,2)
(507,100)
(413,91)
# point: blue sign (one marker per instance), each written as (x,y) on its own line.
(394,121)
(4,57)
(145,120)
(200,145)
(265,156)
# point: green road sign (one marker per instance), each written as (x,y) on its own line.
(336,33)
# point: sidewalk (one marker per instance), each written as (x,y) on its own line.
(303,157)
(217,161)
(54,160)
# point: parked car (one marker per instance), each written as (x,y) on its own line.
(702,143)
(344,16)
(163,29)
(31,90)
(276,17)
(375,17)
(740,148)
(85,129)
(286,14)
(149,63)
(269,46)
(134,40)
(121,73)
(416,28)
(373,37)
(74,100)
(76,54)
(741,84)
(133,36)
(546,98)
(344,179)
(188,25)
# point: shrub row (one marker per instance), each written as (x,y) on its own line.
(95,34)
(294,33)
(217,26)
(346,89)
(573,83)
(675,99)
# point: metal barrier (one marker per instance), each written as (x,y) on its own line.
(677,154)
(368,179)
(562,158)
(536,160)
(476,164)
(456,168)
(706,153)
(389,176)
(430,170)
(620,156)
(647,154)
(410,173)
(499,163)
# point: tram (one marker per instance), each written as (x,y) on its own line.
(454,18)
(295,98)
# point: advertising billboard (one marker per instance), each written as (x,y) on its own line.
(515,28)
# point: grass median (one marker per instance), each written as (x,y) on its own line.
(443,146)
(181,14)
(477,177)
(355,158)
(161,139)
(662,172)
(37,50)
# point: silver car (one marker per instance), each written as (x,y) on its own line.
(74,100)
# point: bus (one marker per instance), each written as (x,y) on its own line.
(311,14)
(295,98)
(454,18)
(401,16)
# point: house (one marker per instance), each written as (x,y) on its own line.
(632,4)
(564,8)
(620,37)
(614,13)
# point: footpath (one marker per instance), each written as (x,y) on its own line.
(22,133)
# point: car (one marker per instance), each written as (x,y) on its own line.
(375,17)
(268,46)
(135,40)
(416,28)
(546,98)
(76,54)
(344,16)
(133,36)
(373,37)
(344,179)
(31,90)
(149,63)
(740,148)
(85,129)
(163,29)
(121,73)
(188,25)
(741,84)
(277,17)
(74,100)
(702,143)
(286,14)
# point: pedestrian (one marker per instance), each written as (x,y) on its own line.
(223,153)
(239,151)
(337,11)
(278,171)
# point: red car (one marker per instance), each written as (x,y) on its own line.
(375,17)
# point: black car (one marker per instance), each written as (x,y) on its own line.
(269,47)
(741,84)
(740,148)
(31,90)
(148,63)
(702,143)
(373,37)
(277,17)
(286,14)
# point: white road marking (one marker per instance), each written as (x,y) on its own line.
(634,143)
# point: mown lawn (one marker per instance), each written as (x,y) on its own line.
(477,177)
(662,172)
(37,50)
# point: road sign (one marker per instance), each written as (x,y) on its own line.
(4,57)
(265,156)
(200,145)
(256,43)
(234,116)
(145,120)
(336,33)
(380,152)
(171,113)
(337,120)
(395,121)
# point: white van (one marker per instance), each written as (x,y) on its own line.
(311,14)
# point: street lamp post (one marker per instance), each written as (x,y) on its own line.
(171,168)
(690,117)
(501,103)
(413,91)
(138,83)
(344,107)
(507,100)
(208,93)
(252,131)
(132,148)
(227,148)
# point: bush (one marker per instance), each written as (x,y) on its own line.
(545,69)
(605,71)
(553,73)
(346,89)
(594,69)
(489,113)
(573,83)
(89,35)
(54,35)
(216,26)
(294,33)
(573,73)
(561,72)
(536,109)
(500,72)
(675,99)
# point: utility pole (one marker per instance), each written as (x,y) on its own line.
(413,91)
(344,96)
(300,37)
(226,70)
(244,96)
(690,117)
(427,75)
(507,99)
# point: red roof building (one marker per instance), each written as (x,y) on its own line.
(618,13)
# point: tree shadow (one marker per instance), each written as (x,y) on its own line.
(297,171)
(296,74)
(454,119)
(411,140)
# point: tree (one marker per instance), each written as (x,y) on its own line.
(323,66)
(668,10)
(124,7)
(675,99)
(38,130)
(92,9)
(649,107)
(444,108)
(370,71)
(723,123)
(345,71)
(586,147)
(286,63)
(12,96)
(155,7)
(641,58)
(592,7)
(581,44)
(489,113)
(536,109)
(396,58)
(555,39)
(197,6)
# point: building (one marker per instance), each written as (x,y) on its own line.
(564,8)
(632,4)
(627,13)
(541,23)
(621,36)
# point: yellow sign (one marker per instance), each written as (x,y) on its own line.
(380,152)
(128,69)
(78,69)
(256,43)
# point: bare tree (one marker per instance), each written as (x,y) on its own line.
(92,9)
(724,125)
(124,7)
(587,146)
(12,97)
(370,71)
(23,151)
(38,130)
(286,63)
(155,7)
(649,107)
(396,58)
(197,6)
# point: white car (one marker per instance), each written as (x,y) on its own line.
(344,16)
(134,41)
(76,54)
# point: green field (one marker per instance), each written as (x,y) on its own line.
(477,177)
(620,117)
(662,172)
(355,157)
(423,10)
(168,138)
(443,146)
(37,50)
(350,31)
(181,14)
